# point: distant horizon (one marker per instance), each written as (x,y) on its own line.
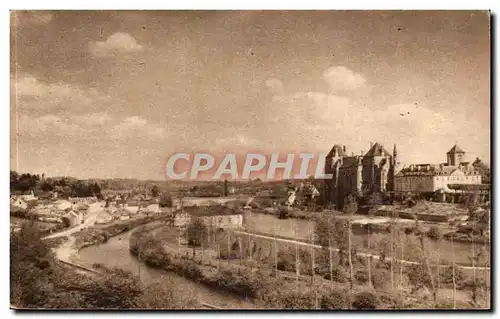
(203,178)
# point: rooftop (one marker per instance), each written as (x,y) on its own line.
(339,149)
(436,169)
(455,149)
(377,150)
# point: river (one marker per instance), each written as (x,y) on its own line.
(115,253)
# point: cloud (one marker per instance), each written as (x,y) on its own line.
(49,124)
(340,78)
(116,43)
(275,85)
(33,17)
(236,140)
(31,95)
(314,119)
(94,119)
(313,109)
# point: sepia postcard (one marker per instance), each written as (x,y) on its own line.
(249,160)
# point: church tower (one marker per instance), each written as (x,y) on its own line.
(392,169)
(455,156)
(394,156)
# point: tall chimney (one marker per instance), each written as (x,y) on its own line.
(344,148)
(371,145)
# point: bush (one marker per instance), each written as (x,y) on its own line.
(190,270)
(418,276)
(165,201)
(197,232)
(338,272)
(297,300)
(336,300)
(365,300)
(286,262)
(446,275)
(283,212)
(361,276)
(242,284)
(156,258)
(380,277)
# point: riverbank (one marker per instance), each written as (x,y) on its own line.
(115,253)
(100,234)
(385,216)
(66,247)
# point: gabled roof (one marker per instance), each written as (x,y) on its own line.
(377,150)
(210,210)
(338,148)
(455,149)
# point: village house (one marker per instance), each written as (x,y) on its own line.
(215,217)
(104,217)
(75,218)
(124,216)
(132,207)
(81,207)
(88,200)
(62,204)
(152,209)
(31,196)
(19,202)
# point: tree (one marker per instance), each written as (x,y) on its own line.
(155,191)
(453,224)
(196,232)
(350,207)
(46,186)
(117,289)
(471,202)
(365,300)
(95,189)
(14,176)
(374,199)
(162,295)
(30,271)
(66,222)
(421,237)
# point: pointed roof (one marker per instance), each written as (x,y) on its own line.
(340,151)
(455,149)
(377,150)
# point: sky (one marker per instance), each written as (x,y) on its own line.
(112,94)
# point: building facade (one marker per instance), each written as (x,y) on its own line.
(214,217)
(373,171)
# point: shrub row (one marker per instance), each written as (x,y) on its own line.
(151,252)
